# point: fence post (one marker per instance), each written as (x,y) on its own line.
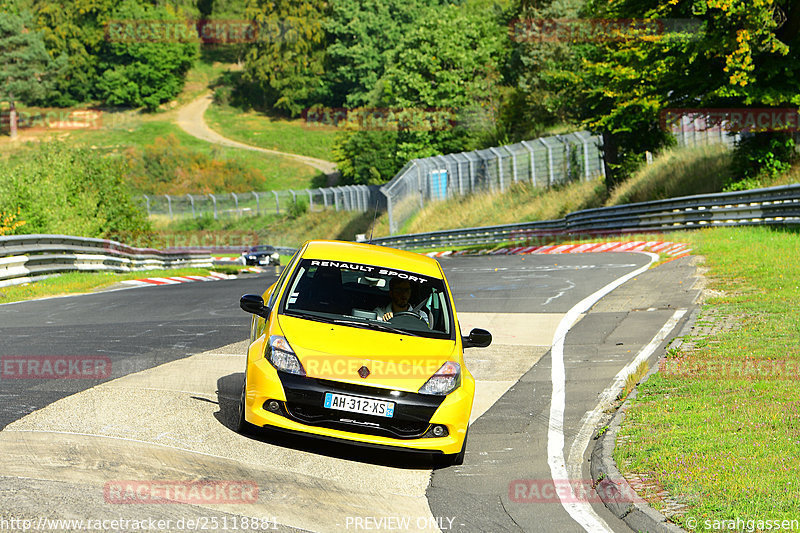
(586,173)
(549,161)
(419,186)
(214,199)
(147,202)
(336,197)
(567,174)
(235,203)
(310,200)
(191,201)
(169,204)
(389,211)
(513,162)
(458,171)
(497,153)
(256,195)
(471,174)
(533,161)
(324,197)
(362,198)
(277,203)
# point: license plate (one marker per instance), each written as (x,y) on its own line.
(354,404)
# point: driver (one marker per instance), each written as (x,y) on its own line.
(399,294)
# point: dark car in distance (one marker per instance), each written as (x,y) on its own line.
(261,255)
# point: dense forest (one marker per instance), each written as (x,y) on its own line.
(442,76)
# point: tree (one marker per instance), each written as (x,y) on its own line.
(738,53)
(286,62)
(146,56)
(439,85)
(534,104)
(26,68)
(55,188)
(76,29)
(360,35)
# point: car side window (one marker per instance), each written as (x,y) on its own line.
(281,278)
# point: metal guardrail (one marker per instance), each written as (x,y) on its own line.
(770,206)
(26,258)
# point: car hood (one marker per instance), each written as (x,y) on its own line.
(401,362)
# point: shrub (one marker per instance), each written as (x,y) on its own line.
(59,189)
(761,157)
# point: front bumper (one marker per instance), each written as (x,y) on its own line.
(301,410)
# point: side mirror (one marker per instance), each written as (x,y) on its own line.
(478,338)
(253,303)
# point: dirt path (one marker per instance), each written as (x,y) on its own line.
(190,119)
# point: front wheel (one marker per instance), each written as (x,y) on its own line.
(242,425)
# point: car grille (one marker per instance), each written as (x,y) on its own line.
(355,422)
(305,397)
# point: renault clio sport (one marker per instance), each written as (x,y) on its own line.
(360,343)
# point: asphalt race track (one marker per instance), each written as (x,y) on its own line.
(161,411)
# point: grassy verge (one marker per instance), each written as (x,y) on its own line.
(677,172)
(79,282)
(293,136)
(519,203)
(718,428)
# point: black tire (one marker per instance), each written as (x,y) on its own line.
(242,425)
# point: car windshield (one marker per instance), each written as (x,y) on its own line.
(370,297)
(262,249)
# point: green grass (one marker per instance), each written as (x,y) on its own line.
(293,136)
(279,172)
(677,172)
(80,282)
(719,427)
(121,130)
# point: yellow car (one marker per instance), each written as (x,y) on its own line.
(360,343)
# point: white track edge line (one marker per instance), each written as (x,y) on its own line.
(593,417)
(582,513)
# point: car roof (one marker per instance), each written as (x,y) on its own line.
(371,254)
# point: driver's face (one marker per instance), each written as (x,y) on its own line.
(400,294)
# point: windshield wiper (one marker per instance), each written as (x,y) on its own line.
(369,325)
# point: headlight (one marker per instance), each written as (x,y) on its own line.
(282,357)
(444,381)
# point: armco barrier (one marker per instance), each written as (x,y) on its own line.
(771,206)
(25,258)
